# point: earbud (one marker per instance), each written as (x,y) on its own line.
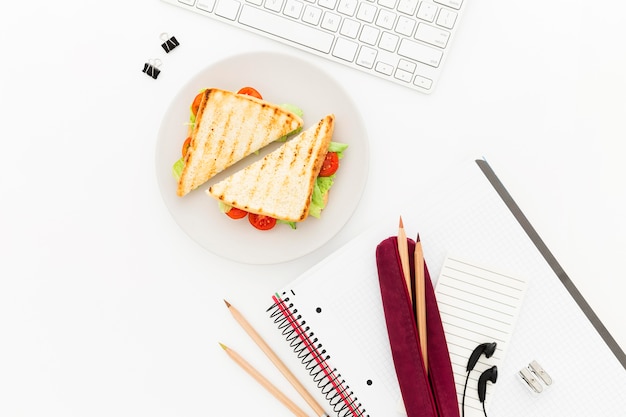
(487,348)
(490,374)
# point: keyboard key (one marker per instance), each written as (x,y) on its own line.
(286,28)
(446,18)
(350,28)
(188,2)
(403,75)
(367,57)
(423,82)
(293,8)
(432,35)
(366,12)
(427,12)
(405,26)
(420,53)
(347,7)
(407,6)
(388,41)
(385,19)
(384,68)
(331,21)
(407,66)
(274,5)
(227,9)
(369,35)
(345,49)
(312,15)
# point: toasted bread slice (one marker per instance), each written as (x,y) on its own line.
(281,184)
(228,128)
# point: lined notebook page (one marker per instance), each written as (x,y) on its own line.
(477,305)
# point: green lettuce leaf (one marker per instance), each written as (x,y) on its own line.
(338,148)
(321,187)
(294,109)
(177,169)
(291,224)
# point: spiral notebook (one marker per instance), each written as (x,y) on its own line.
(340,338)
(471,215)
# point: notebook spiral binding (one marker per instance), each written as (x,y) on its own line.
(311,353)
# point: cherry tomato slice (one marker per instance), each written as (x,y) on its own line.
(236,213)
(261,222)
(186,145)
(196,103)
(250,92)
(330,164)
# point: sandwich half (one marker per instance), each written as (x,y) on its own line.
(280,185)
(229,127)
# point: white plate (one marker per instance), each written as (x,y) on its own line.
(280,79)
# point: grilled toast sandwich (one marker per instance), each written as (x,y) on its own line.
(229,127)
(280,185)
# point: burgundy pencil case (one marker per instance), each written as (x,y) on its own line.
(425,394)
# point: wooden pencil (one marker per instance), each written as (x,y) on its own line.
(264,382)
(319,411)
(403,251)
(420,299)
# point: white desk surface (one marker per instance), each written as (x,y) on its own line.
(108,308)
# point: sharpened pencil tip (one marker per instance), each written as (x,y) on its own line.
(223,346)
(401,225)
(227,303)
(418,238)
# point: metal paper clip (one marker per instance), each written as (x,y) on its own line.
(533,375)
(169,43)
(151,68)
(530,380)
(540,372)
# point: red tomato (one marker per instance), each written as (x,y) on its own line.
(330,164)
(250,92)
(196,103)
(186,145)
(261,222)
(236,213)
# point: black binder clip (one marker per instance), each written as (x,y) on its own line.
(151,68)
(534,375)
(169,43)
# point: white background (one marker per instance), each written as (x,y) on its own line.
(108,308)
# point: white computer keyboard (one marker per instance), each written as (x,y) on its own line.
(403,41)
